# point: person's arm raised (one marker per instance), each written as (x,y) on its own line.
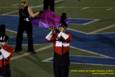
(31,13)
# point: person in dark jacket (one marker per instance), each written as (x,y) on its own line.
(49,4)
(25,13)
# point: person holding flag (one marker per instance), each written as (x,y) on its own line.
(6,52)
(25,24)
(47,17)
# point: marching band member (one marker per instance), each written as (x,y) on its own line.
(6,52)
(61,45)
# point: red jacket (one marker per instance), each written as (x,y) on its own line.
(61,42)
(8,49)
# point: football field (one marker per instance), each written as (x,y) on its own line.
(92,25)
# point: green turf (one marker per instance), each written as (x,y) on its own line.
(32,65)
(109,30)
(96,10)
(75,71)
(11,34)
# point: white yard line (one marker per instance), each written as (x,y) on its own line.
(100,57)
(15,32)
(108,9)
(34,44)
(95,20)
(84,8)
(26,54)
(77,30)
(37,6)
(11,31)
(106,33)
(103,7)
(94,64)
(11,12)
(48,60)
(95,53)
(95,31)
(102,29)
(26,44)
